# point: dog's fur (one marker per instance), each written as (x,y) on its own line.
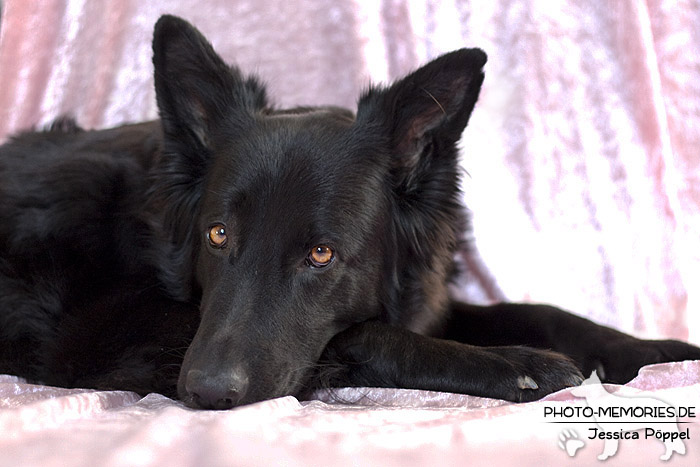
(281,249)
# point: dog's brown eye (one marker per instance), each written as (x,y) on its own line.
(217,235)
(320,256)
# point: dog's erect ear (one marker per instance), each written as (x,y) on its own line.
(195,89)
(429,106)
(197,94)
(421,117)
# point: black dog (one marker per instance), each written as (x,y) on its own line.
(281,249)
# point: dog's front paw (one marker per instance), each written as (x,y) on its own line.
(620,360)
(536,373)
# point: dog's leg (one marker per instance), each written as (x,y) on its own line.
(379,355)
(616,356)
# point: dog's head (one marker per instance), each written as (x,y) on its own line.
(293,225)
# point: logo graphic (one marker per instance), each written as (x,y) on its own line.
(569,442)
(618,416)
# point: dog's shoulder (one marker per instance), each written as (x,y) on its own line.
(66,184)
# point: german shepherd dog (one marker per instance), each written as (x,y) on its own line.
(232,252)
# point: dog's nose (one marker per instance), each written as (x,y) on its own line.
(219,392)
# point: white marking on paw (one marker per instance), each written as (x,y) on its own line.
(525,382)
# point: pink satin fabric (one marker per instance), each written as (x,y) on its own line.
(51,426)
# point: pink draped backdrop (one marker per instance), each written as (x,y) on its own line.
(582,165)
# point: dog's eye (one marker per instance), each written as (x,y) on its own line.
(320,256)
(217,235)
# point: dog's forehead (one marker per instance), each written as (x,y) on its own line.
(316,143)
(307,131)
(309,164)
